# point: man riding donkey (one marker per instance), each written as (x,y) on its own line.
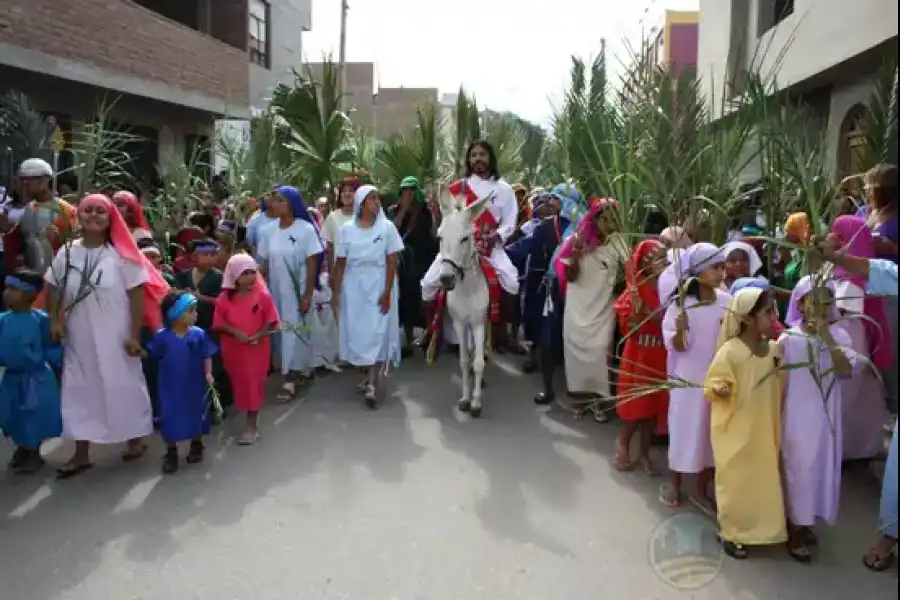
(492,229)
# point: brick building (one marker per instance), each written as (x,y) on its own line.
(173,66)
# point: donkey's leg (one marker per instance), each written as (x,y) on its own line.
(478,332)
(462,336)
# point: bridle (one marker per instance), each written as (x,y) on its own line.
(460,270)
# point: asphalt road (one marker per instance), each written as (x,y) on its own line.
(412,502)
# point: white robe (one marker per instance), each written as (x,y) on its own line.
(505,209)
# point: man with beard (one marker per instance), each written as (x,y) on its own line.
(481,180)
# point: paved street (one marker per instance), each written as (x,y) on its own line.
(411,502)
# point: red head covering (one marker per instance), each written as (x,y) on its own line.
(134,208)
(156,287)
(638,286)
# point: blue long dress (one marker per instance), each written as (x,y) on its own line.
(531,255)
(29,390)
(184,403)
(887,516)
(366,335)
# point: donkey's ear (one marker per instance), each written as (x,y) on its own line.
(476,209)
(446,202)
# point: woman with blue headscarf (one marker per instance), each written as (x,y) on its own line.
(365,291)
(290,253)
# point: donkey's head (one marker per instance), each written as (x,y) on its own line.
(457,239)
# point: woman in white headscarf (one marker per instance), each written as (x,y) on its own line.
(741,260)
(365,290)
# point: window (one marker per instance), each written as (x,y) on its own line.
(259,33)
(773,12)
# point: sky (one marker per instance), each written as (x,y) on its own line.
(512,55)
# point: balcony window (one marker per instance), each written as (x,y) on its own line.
(259,33)
(773,12)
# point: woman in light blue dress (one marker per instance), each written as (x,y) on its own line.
(881,555)
(290,253)
(365,291)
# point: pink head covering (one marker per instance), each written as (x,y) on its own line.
(156,287)
(236,266)
(587,231)
(794,316)
(856,240)
(316,216)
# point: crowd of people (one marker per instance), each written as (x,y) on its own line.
(108,332)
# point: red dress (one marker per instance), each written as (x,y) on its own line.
(643,363)
(247,365)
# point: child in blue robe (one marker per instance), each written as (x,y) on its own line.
(29,389)
(185,377)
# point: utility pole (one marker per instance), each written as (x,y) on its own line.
(342,52)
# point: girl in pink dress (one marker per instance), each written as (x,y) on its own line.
(245,316)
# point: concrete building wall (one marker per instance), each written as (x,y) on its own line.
(289,19)
(396,108)
(121,46)
(817,36)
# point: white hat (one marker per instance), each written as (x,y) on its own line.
(35,167)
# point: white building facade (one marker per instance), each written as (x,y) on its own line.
(831,50)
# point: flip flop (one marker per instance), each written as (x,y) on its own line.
(70,471)
(286,394)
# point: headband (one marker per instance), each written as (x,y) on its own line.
(14,282)
(181,306)
(207,246)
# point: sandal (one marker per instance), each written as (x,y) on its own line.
(286,393)
(734,550)
(362,386)
(371,400)
(68,471)
(622,462)
(249,438)
(134,453)
(669,497)
(799,551)
(877,558)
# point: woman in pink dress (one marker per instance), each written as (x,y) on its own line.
(101,291)
(864,318)
(245,316)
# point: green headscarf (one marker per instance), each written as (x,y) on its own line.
(412,182)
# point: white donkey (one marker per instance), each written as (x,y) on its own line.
(467,293)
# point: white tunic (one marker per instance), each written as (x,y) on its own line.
(589,321)
(104,393)
(505,210)
(285,252)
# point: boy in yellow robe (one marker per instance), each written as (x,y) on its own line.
(744,385)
